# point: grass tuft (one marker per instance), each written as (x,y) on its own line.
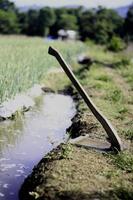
(114,95)
(123,161)
(128,133)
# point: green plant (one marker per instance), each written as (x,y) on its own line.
(125,61)
(66,150)
(104,78)
(116,44)
(123,192)
(123,161)
(128,133)
(122,110)
(35,195)
(110,173)
(114,95)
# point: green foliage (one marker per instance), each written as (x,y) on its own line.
(46,19)
(116,44)
(66,151)
(100,25)
(67,18)
(127,73)
(125,61)
(7,5)
(128,133)
(68,21)
(96,24)
(123,161)
(122,110)
(8,18)
(8,22)
(23,22)
(123,192)
(87,25)
(128,26)
(32,28)
(104,78)
(114,95)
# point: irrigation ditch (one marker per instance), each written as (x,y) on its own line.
(26,138)
(35,185)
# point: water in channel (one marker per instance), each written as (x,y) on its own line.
(24,141)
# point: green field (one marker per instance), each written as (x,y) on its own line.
(25,61)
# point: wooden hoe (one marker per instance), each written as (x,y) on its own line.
(111,132)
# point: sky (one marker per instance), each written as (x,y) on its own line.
(86,3)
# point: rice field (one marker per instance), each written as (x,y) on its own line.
(24,61)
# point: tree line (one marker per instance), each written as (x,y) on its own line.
(99,25)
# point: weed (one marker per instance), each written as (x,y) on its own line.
(119,116)
(122,110)
(35,195)
(116,44)
(128,133)
(66,151)
(125,61)
(114,95)
(62,152)
(17,114)
(123,192)
(111,173)
(104,78)
(127,73)
(123,161)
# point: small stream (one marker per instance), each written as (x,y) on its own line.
(26,140)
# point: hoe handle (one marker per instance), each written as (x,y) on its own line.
(111,132)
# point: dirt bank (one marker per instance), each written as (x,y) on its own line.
(74,173)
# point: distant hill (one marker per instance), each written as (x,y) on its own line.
(35,7)
(122,11)
(26,8)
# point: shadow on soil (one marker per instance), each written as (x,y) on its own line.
(52,193)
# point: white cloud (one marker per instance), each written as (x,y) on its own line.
(88,3)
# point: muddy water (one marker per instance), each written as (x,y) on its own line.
(25,141)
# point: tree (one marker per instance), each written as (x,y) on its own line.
(113,21)
(46,19)
(7,6)
(68,21)
(23,22)
(66,18)
(32,20)
(100,25)
(128,26)
(87,22)
(116,44)
(8,22)
(8,18)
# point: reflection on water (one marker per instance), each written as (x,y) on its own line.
(25,141)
